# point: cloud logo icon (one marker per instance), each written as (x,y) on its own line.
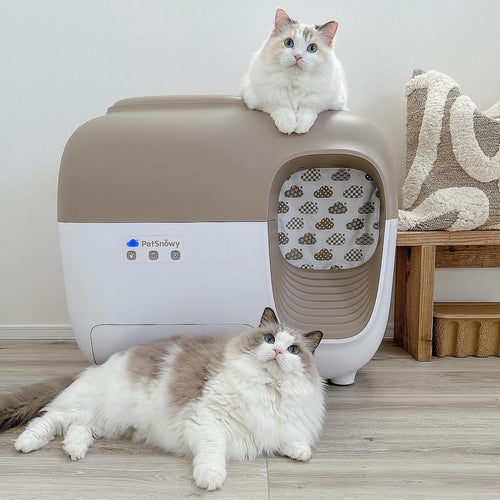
(283,238)
(283,207)
(307,239)
(132,243)
(323,254)
(355,224)
(338,208)
(365,239)
(294,254)
(324,223)
(294,192)
(367,208)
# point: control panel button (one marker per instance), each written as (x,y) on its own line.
(153,255)
(175,255)
(131,255)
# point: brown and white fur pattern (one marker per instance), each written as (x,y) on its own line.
(295,75)
(214,398)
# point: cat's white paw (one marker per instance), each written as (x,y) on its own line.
(28,441)
(75,451)
(77,441)
(286,121)
(303,126)
(298,451)
(305,120)
(209,477)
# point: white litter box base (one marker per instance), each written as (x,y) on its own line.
(115,298)
(345,380)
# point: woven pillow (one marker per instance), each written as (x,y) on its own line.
(452,159)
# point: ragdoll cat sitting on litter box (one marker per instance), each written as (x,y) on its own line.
(215,398)
(295,75)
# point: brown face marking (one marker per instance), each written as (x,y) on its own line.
(308,33)
(200,359)
(247,342)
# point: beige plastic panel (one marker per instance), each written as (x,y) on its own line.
(337,302)
(196,158)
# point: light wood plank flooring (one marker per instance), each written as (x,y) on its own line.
(404,430)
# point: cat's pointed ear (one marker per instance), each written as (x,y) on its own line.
(268,316)
(281,20)
(313,339)
(327,31)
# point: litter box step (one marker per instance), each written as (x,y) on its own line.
(466,329)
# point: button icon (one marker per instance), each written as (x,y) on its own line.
(175,255)
(131,255)
(153,255)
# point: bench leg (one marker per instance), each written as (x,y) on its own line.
(414,295)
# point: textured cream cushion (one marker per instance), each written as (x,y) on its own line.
(452,159)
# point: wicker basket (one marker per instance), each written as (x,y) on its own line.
(466,329)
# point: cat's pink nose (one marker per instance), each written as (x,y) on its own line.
(277,350)
(297,58)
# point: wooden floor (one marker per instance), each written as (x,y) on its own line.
(404,430)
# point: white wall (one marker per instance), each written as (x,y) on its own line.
(64,62)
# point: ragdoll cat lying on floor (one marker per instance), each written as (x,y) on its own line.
(295,75)
(215,398)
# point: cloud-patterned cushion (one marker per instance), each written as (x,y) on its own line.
(328,218)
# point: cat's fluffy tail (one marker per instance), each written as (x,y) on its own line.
(20,405)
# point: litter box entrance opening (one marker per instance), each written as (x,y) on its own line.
(335,296)
(328,218)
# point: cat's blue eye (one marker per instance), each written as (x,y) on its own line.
(269,339)
(288,43)
(293,349)
(312,48)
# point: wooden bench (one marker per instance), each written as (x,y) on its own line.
(417,256)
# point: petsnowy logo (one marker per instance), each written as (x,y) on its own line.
(132,243)
(166,243)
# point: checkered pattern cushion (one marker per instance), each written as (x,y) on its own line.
(328,218)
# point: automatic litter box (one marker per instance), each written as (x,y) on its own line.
(190,215)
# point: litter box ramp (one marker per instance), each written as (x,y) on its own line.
(190,215)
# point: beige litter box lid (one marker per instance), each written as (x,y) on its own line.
(200,158)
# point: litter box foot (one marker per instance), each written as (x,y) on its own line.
(344,380)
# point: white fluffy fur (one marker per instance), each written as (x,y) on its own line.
(292,92)
(253,406)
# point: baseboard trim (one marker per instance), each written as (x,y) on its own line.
(38,332)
